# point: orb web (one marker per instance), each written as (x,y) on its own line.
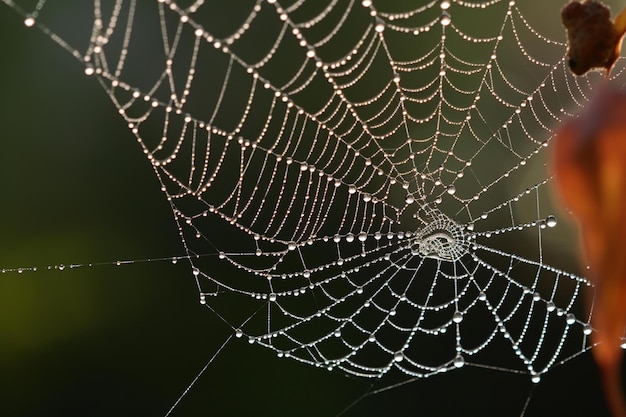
(365,181)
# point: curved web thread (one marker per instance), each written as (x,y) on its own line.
(365,182)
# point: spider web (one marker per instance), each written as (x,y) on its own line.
(365,181)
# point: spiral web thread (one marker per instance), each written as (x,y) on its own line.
(359,186)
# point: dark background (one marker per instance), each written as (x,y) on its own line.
(127,340)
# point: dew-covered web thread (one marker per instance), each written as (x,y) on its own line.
(359,185)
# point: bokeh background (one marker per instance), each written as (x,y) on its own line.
(127,340)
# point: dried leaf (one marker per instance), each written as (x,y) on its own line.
(589,164)
(594,41)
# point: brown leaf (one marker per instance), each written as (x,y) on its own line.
(594,41)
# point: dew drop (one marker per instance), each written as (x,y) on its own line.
(451,189)
(587,329)
(29,22)
(457,317)
(570,319)
(238,333)
(445,19)
(398,357)
(551,221)
(459,361)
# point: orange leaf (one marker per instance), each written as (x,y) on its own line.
(589,165)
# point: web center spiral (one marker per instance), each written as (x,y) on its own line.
(441,239)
